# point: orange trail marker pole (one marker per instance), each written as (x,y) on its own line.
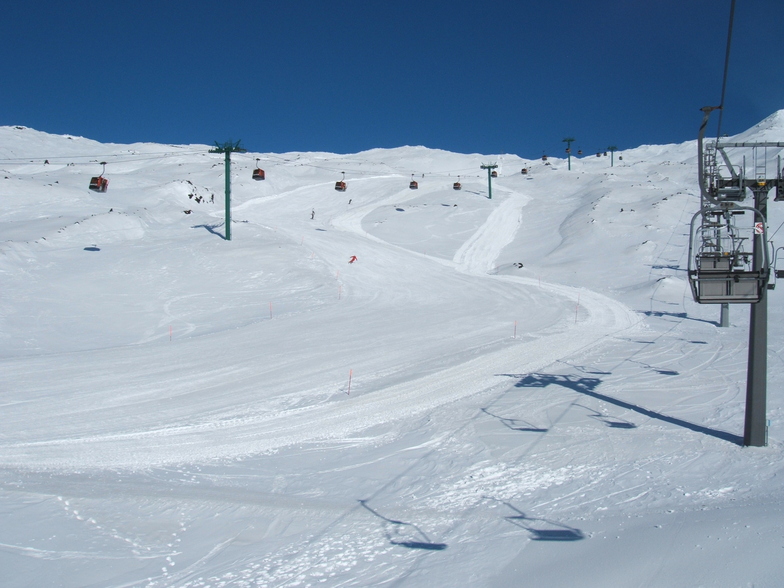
(515,331)
(350,373)
(576,308)
(170,332)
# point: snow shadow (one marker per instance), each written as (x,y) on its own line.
(543,529)
(405,534)
(612,422)
(515,424)
(211,229)
(679,315)
(588,387)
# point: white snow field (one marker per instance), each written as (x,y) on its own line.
(516,391)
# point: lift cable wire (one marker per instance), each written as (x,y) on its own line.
(726,69)
(59,159)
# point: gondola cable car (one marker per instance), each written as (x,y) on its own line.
(99,183)
(340,186)
(457,185)
(413,185)
(258,173)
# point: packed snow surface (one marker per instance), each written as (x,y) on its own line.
(496,391)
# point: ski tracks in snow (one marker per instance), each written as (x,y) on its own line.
(478,253)
(595,318)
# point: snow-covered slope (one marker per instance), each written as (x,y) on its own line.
(495,389)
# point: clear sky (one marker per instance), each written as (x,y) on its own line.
(347,75)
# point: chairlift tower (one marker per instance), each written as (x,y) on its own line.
(721,268)
(612,149)
(568,141)
(228,148)
(489,167)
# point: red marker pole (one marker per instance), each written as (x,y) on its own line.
(515,331)
(170,332)
(270,310)
(350,373)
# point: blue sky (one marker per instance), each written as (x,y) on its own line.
(344,76)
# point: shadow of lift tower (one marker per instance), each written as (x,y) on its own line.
(721,269)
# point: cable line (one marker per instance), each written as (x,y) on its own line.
(726,69)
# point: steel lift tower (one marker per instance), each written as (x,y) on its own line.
(722,269)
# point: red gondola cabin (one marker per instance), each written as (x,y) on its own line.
(258,174)
(99,184)
(413,185)
(457,186)
(340,186)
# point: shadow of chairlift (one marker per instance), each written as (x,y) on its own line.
(553,532)
(512,424)
(393,526)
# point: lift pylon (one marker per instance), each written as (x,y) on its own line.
(227,149)
(490,167)
(722,268)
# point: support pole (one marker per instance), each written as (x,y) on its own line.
(228,195)
(612,149)
(755,430)
(227,149)
(569,141)
(724,318)
(489,169)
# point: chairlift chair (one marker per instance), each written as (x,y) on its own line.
(99,183)
(721,267)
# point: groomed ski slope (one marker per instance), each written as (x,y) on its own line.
(495,392)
